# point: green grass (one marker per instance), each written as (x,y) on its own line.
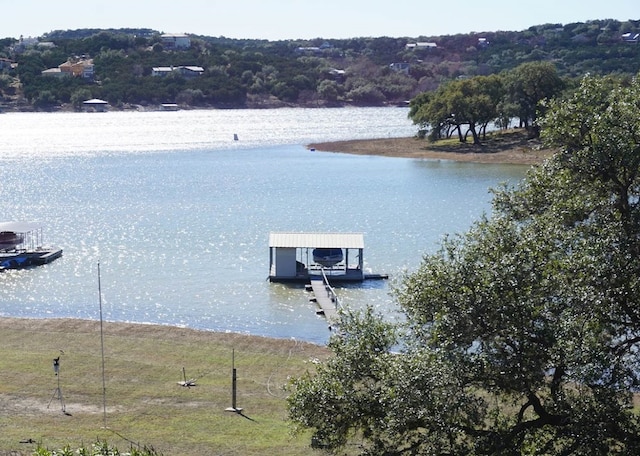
(495,141)
(144,404)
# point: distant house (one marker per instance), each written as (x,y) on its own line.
(55,73)
(308,50)
(5,64)
(23,44)
(421,45)
(191,71)
(46,44)
(314,50)
(400,67)
(78,68)
(187,71)
(631,37)
(175,41)
(483,42)
(336,74)
(162,71)
(72,68)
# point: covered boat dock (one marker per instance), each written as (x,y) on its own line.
(292,259)
(21,246)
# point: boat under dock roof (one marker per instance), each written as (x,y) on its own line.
(291,257)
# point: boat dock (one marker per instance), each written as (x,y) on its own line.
(326,299)
(23,259)
(293,257)
(20,246)
(316,258)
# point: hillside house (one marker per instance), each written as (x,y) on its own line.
(337,74)
(173,41)
(5,64)
(55,73)
(79,68)
(421,45)
(72,68)
(400,67)
(186,71)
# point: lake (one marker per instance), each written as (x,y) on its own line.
(178,214)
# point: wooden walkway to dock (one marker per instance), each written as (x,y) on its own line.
(326,299)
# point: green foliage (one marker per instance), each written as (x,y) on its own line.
(522,334)
(527,86)
(475,102)
(345,395)
(99,448)
(278,69)
(470,103)
(79,96)
(329,90)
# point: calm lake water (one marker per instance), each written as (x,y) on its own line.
(178,214)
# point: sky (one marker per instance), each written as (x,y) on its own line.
(305,19)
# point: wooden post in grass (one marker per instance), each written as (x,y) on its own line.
(233,407)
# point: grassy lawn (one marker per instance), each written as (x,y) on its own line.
(145,405)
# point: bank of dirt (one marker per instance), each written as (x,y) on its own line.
(509,147)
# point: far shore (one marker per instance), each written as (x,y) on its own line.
(512,148)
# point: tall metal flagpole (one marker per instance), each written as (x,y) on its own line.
(104,387)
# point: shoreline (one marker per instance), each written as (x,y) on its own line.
(518,151)
(153,330)
(136,380)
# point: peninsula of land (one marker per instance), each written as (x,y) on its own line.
(504,147)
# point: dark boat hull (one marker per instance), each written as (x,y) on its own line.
(327,257)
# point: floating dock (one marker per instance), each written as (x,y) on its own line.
(21,246)
(23,259)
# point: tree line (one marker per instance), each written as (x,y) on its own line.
(468,106)
(321,72)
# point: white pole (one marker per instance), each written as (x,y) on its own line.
(104,387)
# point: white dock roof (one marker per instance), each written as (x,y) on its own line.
(20,227)
(317,240)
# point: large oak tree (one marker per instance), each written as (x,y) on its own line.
(521,335)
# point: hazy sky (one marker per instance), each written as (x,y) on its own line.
(292,19)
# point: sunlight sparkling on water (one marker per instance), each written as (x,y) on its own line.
(74,134)
(178,214)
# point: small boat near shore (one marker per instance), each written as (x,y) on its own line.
(21,246)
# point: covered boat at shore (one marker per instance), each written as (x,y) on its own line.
(21,246)
(299,257)
(327,257)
